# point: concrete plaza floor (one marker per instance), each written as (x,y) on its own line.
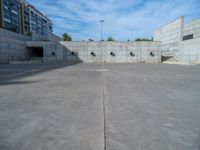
(99,106)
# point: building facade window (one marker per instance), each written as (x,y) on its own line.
(20,16)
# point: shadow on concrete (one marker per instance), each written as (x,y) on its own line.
(12,74)
(71,56)
(18,82)
(166,58)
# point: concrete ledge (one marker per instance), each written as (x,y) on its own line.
(24,62)
(176,63)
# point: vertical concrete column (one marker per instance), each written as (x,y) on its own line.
(103,50)
(45,54)
(21,11)
(1,14)
(139,58)
(182,28)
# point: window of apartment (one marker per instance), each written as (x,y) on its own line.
(5,2)
(6,7)
(7,20)
(33,19)
(33,23)
(15,12)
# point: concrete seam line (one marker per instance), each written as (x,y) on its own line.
(104,107)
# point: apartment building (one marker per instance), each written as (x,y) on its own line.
(11,15)
(36,22)
(21,17)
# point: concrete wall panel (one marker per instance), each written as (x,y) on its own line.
(189,51)
(102,51)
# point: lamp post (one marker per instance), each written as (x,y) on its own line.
(102,21)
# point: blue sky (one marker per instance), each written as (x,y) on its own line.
(124,19)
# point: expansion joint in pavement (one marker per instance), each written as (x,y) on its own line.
(104,106)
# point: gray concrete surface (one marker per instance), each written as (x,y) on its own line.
(59,106)
(172,43)
(124,52)
(50,108)
(152,107)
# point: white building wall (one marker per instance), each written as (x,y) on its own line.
(173,45)
(192,28)
(189,51)
(171,33)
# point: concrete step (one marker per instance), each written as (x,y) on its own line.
(175,63)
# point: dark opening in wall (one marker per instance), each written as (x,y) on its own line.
(72,53)
(188,37)
(152,54)
(132,54)
(93,54)
(112,54)
(35,52)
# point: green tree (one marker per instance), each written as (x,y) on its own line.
(66,37)
(110,39)
(144,39)
(138,39)
(91,40)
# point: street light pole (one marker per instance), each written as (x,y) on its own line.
(101,21)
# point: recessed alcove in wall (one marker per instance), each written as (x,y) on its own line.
(34,53)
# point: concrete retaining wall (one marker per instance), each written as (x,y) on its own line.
(52,51)
(54,38)
(192,28)
(188,51)
(51,37)
(12,35)
(12,46)
(170,33)
(11,50)
(82,51)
